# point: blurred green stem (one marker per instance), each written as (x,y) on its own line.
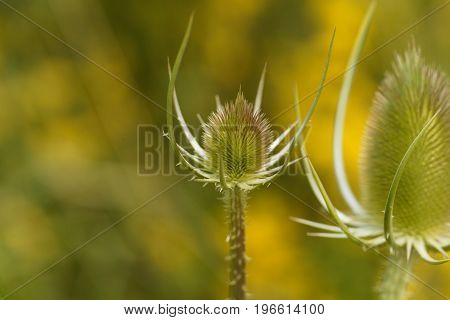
(237,202)
(396,277)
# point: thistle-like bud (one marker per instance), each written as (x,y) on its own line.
(237,150)
(237,138)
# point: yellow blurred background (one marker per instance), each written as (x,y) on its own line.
(68,147)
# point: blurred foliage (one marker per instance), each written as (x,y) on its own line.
(68,144)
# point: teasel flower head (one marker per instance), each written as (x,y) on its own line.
(237,143)
(237,148)
(404,164)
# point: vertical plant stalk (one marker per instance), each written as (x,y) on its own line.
(396,278)
(236,199)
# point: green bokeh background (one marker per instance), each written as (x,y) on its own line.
(68,144)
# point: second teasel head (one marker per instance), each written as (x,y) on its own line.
(404,165)
(409,96)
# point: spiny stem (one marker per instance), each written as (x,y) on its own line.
(396,278)
(237,201)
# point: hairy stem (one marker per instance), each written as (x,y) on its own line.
(396,278)
(236,199)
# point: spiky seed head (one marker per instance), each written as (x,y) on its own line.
(237,137)
(407,98)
